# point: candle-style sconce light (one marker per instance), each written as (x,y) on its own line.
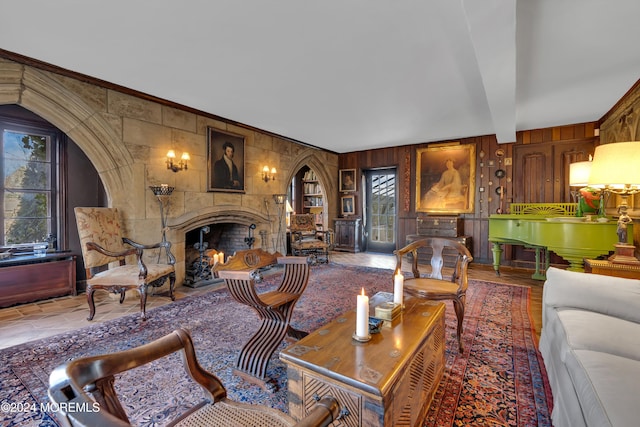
(268,174)
(176,167)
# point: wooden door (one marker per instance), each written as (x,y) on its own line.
(565,154)
(533,173)
(541,171)
(541,175)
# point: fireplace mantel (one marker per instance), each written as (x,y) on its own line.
(215,215)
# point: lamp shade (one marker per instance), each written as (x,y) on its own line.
(616,166)
(579,173)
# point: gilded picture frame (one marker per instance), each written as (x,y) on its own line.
(445,179)
(347,180)
(347,205)
(225,173)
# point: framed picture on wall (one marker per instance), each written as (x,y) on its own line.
(347,180)
(347,205)
(225,161)
(445,181)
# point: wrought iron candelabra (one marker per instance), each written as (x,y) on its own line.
(162,193)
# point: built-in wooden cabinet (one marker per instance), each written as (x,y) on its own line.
(28,278)
(348,234)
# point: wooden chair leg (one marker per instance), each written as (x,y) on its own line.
(254,356)
(90,301)
(458,305)
(142,290)
(172,284)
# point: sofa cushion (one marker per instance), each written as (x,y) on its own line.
(607,386)
(587,330)
(614,296)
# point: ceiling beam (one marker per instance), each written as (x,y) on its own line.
(492,29)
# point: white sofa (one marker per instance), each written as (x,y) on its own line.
(590,342)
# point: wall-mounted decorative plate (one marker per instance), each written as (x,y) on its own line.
(500,173)
(499,152)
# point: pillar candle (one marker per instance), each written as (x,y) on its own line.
(362,315)
(221,257)
(215,259)
(398,288)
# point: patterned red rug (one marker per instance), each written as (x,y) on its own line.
(498,381)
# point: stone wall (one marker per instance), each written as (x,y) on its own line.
(126,137)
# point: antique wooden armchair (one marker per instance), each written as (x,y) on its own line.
(434,286)
(307,240)
(103,244)
(274,308)
(69,385)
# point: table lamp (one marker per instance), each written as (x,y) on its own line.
(616,169)
(579,178)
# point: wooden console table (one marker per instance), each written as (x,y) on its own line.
(608,268)
(388,381)
(27,278)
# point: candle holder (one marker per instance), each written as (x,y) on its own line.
(162,193)
(361,339)
(161,190)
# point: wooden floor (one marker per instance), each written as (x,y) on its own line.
(42,319)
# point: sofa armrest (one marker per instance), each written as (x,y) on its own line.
(608,295)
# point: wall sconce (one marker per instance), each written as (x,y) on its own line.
(266,175)
(171,155)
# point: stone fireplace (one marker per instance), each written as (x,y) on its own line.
(201,244)
(218,229)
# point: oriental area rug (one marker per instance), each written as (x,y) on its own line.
(498,381)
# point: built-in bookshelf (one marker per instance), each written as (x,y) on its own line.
(312,196)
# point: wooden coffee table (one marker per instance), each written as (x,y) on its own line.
(388,381)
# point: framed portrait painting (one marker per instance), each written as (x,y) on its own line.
(225,161)
(347,205)
(347,180)
(445,181)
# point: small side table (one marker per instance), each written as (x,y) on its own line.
(608,268)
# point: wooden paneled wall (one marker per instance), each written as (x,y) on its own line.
(487,202)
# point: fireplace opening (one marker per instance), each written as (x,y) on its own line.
(204,245)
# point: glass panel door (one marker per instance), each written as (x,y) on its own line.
(380,208)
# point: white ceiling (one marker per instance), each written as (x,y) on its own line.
(349,75)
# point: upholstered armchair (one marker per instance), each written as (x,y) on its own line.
(78,386)
(307,240)
(105,252)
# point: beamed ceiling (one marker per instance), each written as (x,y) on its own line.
(350,75)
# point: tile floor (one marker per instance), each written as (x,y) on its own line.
(41,319)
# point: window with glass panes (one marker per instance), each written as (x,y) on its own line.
(28,173)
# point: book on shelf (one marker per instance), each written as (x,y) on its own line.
(312,188)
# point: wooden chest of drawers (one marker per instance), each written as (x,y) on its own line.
(449,256)
(451,227)
(440,226)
